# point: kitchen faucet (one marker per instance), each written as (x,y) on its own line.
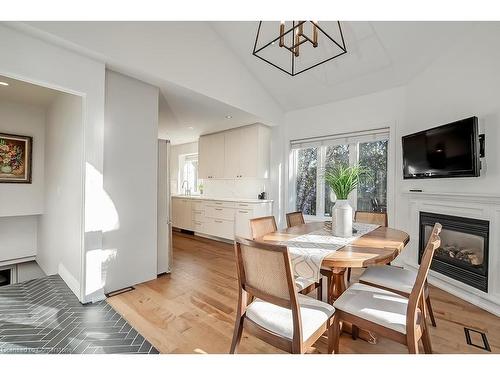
(187,190)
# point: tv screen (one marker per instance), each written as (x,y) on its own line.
(449,150)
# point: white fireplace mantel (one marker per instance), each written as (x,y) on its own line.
(465,197)
(472,205)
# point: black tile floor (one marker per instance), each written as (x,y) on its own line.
(44,316)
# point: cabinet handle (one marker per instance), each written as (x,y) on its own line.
(243,205)
(243,212)
(218,221)
(218,203)
(218,209)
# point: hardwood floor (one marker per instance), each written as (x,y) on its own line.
(192,310)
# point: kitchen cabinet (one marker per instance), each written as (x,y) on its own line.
(232,152)
(211,156)
(237,153)
(217,218)
(182,213)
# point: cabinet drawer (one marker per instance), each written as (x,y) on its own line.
(219,213)
(220,228)
(221,204)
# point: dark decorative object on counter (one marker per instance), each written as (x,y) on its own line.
(263,195)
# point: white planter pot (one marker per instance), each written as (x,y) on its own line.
(342,212)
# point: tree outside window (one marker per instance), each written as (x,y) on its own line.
(313,197)
(307,169)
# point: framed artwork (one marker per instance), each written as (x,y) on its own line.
(15,158)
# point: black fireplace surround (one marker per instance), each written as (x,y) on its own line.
(458,260)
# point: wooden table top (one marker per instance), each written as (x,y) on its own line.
(379,246)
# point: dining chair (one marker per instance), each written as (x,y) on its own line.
(378,218)
(294,218)
(261,226)
(279,315)
(389,314)
(397,280)
(264,225)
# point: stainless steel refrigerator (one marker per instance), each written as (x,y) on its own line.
(164,210)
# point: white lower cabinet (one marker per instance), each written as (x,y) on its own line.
(242,222)
(182,213)
(224,219)
(220,228)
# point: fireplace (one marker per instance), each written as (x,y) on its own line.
(463,254)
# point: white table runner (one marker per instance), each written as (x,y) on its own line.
(308,251)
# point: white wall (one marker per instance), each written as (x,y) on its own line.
(35,61)
(24,119)
(463,82)
(60,226)
(130,181)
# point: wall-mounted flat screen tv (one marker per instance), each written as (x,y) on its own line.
(450,150)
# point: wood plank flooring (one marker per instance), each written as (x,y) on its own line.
(192,310)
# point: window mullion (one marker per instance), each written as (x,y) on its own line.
(353,160)
(320,182)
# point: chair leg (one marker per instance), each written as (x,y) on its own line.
(426,340)
(334,334)
(429,309)
(238,330)
(412,345)
(319,289)
(349,274)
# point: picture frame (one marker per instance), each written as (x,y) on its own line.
(15,158)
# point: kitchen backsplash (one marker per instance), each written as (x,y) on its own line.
(237,188)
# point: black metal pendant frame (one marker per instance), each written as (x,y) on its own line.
(340,44)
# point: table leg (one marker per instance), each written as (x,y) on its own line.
(337,286)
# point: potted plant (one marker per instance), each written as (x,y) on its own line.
(343,180)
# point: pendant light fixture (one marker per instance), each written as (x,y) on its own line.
(297,46)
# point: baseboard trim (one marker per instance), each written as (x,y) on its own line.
(68,278)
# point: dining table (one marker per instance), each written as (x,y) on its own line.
(377,247)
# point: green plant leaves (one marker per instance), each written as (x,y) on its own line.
(344,179)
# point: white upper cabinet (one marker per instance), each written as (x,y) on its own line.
(232,147)
(237,153)
(211,156)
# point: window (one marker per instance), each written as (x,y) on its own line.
(188,173)
(310,158)
(307,169)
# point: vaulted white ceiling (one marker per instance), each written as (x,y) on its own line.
(379,55)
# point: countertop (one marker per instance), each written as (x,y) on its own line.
(205,198)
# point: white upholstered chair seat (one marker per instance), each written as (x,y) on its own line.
(301,283)
(376,305)
(390,277)
(279,319)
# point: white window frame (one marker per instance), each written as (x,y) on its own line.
(352,140)
(180,177)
